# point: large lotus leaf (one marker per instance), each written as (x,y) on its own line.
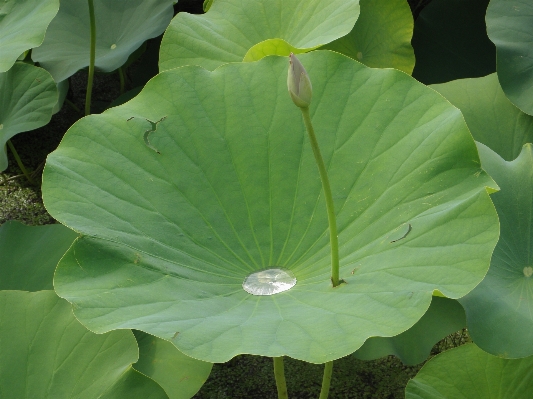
(234,29)
(444,316)
(492,119)
(467,372)
(22,27)
(509,27)
(450,41)
(27,97)
(222,183)
(46,353)
(381,37)
(121,27)
(499,310)
(29,255)
(180,375)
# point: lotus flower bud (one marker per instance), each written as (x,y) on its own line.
(299,83)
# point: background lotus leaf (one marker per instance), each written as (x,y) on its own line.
(450,41)
(271,47)
(121,27)
(62,91)
(230,28)
(509,27)
(492,119)
(179,202)
(467,372)
(22,27)
(29,255)
(46,352)
(179,375)
(29,95)
(444,316)
(381,37)
(498,310)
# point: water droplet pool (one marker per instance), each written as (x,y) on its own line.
(269,282)
(113,46)
(528,271)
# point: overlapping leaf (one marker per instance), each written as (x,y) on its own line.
(29,255)
(450,41)
(509,27)
(469,373)
(499,310)
(27,97)
(234,29)
(444,316)
(179,375)
(492,119)
(46,352)
(39,335)
(22,27)
(179,202)
(381,37)
(121,27)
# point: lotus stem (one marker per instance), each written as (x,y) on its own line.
(279,374)
(122,80)
(334,241)
(92,56)
(326,380)
(73,106)
(6,180)
(19,162)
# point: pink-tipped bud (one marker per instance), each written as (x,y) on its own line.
(298,83)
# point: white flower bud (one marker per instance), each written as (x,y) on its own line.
(298,83)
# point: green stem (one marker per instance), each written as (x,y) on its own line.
(7,180)
(88,94)
(19,162)
(73,106)
(279,374)
(121,76)
(329,199)
(326,380)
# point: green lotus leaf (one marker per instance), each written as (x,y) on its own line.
(180,375)
(492,119)
(233,28)
(450,41)
(46,352)
(509,27)
(467,372)
(207,5)
(62,91)
(272,47)
(22,27)
(135,385)
(381,37)
(444,316)
(29,255)
(29,95)
(121,27)
(498,311)
(207,177)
